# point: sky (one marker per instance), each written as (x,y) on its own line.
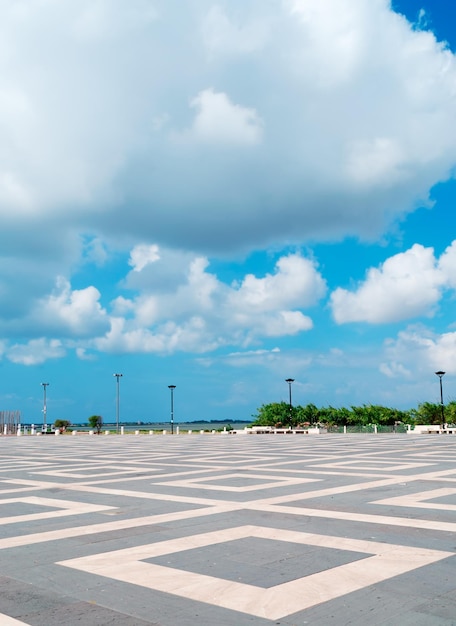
(221,195)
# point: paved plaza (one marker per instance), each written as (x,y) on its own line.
(228,530)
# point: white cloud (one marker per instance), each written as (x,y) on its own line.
(36,351)
(95,251)
(143,255)
(84,355)
(447,265)
(30,261)
(146,310)
(295,281)
(249,358)
(283,323)
(376,162)
(420,350)
(13,193)
(203,313)
(219,121)
(264,124)
(395,370)
(345,104)
(168,338)
(236,34)
(252,353)
(77,312)
(335,36)
(98,21)
(406,285)
(202,286)
(121,307)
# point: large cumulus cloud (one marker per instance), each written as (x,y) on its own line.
(209,129)
(220,126)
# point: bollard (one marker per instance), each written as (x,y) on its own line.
(151,432)
(106,432)
(122,430)
(74,432)
(164,432)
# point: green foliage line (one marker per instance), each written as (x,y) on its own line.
(281,414)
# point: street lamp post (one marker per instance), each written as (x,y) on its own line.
(44,407)
(290,381)
(172,388)
(118,377)
(441,375)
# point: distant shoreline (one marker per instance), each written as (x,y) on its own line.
(194,425)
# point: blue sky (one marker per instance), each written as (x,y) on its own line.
(220,196)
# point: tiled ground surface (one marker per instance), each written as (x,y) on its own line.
(215,530)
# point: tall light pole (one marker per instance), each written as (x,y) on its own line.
(441,375)
(118,377)
(172,388)
(44,407)
(290,381)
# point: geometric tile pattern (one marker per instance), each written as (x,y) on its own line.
(384,561)
(60,508)
(426,500)
(228,530)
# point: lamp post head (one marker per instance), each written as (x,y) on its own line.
(171,386)
(440,374)
(289,380)
(117,375)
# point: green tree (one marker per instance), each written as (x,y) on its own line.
(428,413)
(431,413)
(62,425)
(96,421)
(450,412)
(278,413)
(361,416)
(274,414)
(341,416)
(330,416)
(308,414)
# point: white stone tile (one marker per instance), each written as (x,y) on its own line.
(383,561)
